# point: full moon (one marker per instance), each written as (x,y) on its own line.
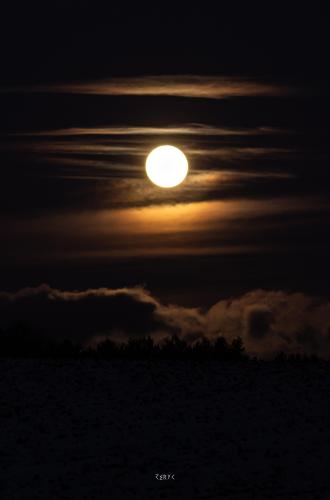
(166,166)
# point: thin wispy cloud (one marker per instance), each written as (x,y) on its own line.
(87,168)
(193,86)
(86,145)
(234,153)
(79,148)
(185,129)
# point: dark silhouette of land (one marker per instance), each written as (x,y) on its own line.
(109,421)
(23,341)
(96,428)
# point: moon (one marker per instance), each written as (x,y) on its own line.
(166,166)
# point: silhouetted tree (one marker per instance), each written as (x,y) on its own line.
(173,348)
(202,349)
(221,348)
(237,349)
(23,341)
(138,348)
(65,349)
(281,357)
(106,349)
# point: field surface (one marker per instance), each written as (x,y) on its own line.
(87,430)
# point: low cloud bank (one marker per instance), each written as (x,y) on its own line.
(267,321)
(273,321)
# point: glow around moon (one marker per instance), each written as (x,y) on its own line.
(166,166)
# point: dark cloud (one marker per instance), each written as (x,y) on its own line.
(258,320)
(79,315)
(273,321)
(268,321)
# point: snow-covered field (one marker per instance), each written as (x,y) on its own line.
(102,430)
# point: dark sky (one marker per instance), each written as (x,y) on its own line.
(87,91)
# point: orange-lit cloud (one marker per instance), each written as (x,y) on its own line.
(210,227)
(185,129)
(193,86)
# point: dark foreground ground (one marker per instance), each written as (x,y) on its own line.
(89,429)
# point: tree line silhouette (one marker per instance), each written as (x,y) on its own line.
(23,341)
(170,348)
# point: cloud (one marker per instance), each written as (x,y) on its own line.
(95,149)
(268,321)
(185,129)
(112,155)
(271,321)
(193,86)
(257,321)
(197,228)
(81,315)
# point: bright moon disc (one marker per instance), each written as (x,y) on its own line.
(166,166)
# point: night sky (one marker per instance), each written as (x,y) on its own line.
(88,91)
